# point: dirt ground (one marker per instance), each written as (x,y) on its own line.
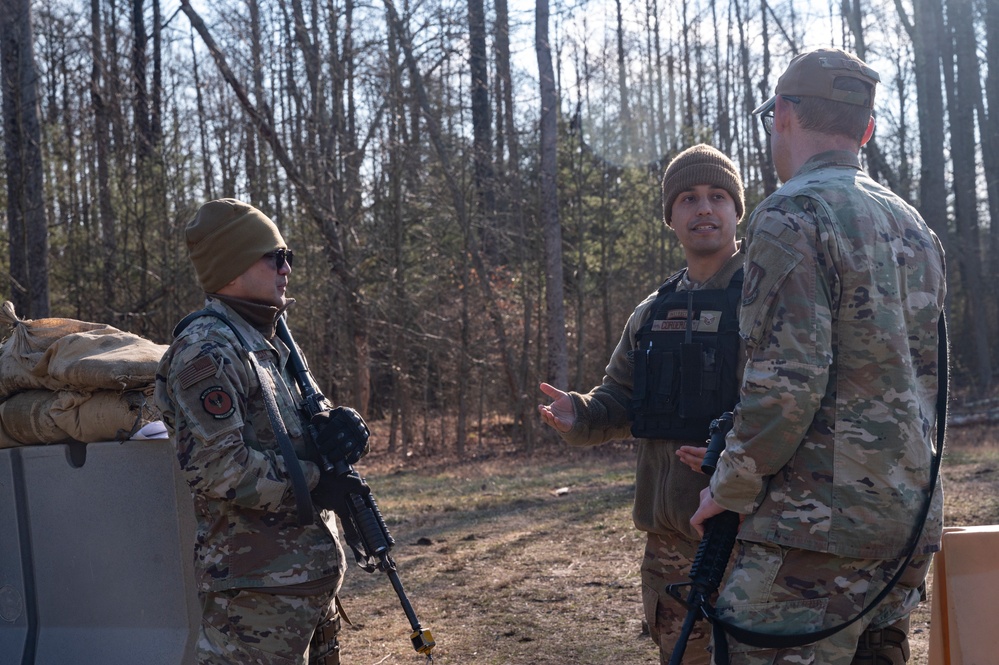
(518,559)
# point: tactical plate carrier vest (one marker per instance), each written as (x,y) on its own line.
(686,357)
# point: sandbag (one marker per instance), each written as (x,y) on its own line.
(34,336)
(102,416)
(46,417)
(100,359)
(66,354)
(25,419)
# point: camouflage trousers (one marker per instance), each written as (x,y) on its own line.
(667,560)
(251,627)
(779,589)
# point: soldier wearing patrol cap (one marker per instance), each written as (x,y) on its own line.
(676,367)
(829,457)
(268,559)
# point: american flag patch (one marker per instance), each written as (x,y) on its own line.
(200,368)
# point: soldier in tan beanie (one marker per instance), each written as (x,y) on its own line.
(665,390)
(226,238)
(268,556)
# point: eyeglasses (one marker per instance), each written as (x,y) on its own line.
(767,117)
(279,256)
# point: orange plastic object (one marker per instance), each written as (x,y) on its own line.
(964,628)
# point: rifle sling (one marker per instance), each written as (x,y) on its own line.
(300,487)
(771,641)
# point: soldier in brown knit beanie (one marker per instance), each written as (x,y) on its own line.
(676,368)
(268,557)
(700,165)
(226,238)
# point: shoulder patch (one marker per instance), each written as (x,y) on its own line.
(751,286)
(200,368)
(217,403)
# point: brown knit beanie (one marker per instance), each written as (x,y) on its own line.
(700,165)
(225,238)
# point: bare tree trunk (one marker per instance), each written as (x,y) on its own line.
(990,133)
(903,90)
(402,354)
(762,151)
(877,165)
(673,145)
(926,32)
(662,136)
(514,205)
(143,193)
(558,371)
(156,110)
(688,75)
(724,129)
(140,101)
(501,46)
(349,204)
(481,125)
(115,86)
(102,141)
(485,197)
(207,170)
(255,182)
(627,124)
(962,98)
(29,244)
(464,363)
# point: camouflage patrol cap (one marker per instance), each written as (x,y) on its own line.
(815,73)
(225,238)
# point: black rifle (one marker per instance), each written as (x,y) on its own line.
(363,526)
(713,553)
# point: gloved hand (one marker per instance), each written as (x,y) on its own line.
(342,435)
(333,491)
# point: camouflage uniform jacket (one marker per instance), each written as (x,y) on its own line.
(667,491)
(835,429)
(248,533)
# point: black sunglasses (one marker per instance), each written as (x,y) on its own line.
(767,118)
(279,256)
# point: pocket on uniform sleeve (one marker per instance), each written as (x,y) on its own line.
(768,264)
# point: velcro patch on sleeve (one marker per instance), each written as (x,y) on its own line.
(200,368)
(217,403)
(769,262)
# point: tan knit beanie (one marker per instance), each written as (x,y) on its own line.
(700,165)
(225,238)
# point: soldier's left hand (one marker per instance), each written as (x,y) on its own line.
(342,435)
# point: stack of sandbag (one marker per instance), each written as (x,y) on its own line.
(65,380)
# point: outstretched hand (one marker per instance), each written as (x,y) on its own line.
(559,414)
(692,456)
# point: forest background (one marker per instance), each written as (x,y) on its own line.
(471,188)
